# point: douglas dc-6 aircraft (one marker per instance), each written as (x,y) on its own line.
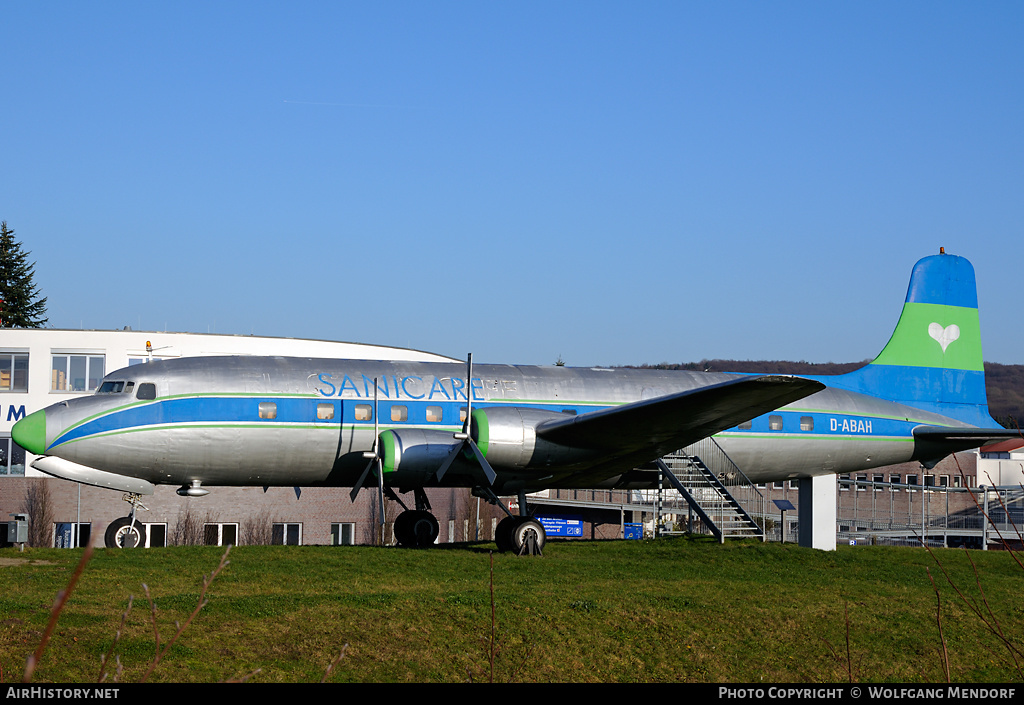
(507,430)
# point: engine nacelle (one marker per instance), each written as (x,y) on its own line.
(507,436)
(410,455)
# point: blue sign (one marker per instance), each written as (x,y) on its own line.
(562,526)
(633,531)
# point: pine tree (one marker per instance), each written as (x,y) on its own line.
(20,305)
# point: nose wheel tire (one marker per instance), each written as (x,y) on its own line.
(121,534)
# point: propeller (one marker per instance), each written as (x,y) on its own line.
(466,437)
(376,464)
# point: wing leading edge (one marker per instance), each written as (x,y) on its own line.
(670,422)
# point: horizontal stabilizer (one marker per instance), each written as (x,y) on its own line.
(670,422)
(964,437)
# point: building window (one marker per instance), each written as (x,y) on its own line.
(806,423)
(860,479)
(286,534)
(12,458)
(943,480)
(774,423)
(156,535)
(64,535)
(879,480)
(844,486)
(911,480)
(894,480)
(220,534)
(343,534)
(13,372)
(76,373)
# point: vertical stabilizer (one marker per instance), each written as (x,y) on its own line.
(933,360)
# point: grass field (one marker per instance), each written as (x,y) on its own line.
(603,611)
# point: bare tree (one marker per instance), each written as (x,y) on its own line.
(39,507)
(188,530)
(258,530)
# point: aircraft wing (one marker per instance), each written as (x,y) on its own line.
(667,423)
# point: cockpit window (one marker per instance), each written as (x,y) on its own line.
(147,390)
(115,386)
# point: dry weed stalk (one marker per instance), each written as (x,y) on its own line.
(986,615)
(58,605)
(938,620)
(105,659)
(207,579)
(335,662)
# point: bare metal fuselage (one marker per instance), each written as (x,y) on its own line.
(248,421)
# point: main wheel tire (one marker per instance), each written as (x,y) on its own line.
(416,529)
(503,533)
(525,530)
(121,534)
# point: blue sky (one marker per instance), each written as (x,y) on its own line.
(611,183)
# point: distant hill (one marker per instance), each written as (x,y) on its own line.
(1005,383)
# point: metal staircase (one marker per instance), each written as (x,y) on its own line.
(697,473)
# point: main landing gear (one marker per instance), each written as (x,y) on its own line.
(521,535)
(415,528)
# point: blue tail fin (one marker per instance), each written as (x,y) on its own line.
(933,360)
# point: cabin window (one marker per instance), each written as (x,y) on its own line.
(463,412)
(364,412)
(268,410)
(399,412)
(111,387)
(434,414)
(806,423)
(746,425)
(147,390)
(76,373)
(13,372)
(571,412)
(325,412)
(774,423)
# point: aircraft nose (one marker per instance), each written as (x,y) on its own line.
(30,433)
